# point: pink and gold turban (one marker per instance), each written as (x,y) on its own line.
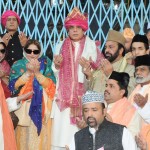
(128,33)
(76,18)
(8,13)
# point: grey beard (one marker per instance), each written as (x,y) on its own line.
(141,79)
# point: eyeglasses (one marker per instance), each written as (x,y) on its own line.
(2,51)
(35,51)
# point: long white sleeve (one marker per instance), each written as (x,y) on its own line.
(72,144)
(12,104)
(57,52)
(145,112)
(128,141)
(135,124)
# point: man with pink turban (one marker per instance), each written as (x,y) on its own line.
(12,39)
(72,57)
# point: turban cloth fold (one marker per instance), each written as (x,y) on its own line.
(8,13)
(76,18)
(128,33)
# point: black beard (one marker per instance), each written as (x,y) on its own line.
(88,122)
(112,57)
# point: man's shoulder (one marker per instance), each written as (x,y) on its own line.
(114,125)
(130,68)
(82,131)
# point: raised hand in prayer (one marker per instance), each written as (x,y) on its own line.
(36,65)
(141,142)
(6,38)
(58,61)
(67,148)
(86,67)
(140,100)
(81,123)
(24,96)
(107,67)
(2,74)
(30,68)
(23,39)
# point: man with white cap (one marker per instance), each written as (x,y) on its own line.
(100,134)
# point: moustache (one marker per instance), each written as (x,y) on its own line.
(106,92)
(89,119)
(138,77)
(108,54)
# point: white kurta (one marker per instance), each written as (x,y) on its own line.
(128,142)
(12,105)
(145,111)
(62,130)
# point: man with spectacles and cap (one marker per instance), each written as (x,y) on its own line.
(100,134)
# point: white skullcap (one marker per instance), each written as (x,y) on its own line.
(92,96)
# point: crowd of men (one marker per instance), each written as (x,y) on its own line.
(101,100)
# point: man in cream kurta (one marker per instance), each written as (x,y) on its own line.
(114,52)
(118,107)
(140,97)
(80,46)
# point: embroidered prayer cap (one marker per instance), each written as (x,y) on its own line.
(140,38)
(8,13)
(128,33)
(142,60)
(122,77)
(116,37)
(91,97)
(76,18)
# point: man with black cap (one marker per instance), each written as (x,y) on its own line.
(139,45)
(114,52)
(118,107)
(140,97)
(100,134)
